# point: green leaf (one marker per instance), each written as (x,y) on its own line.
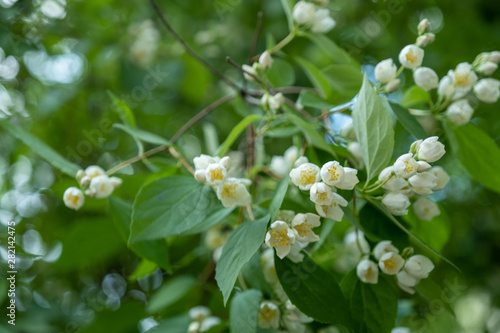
(244,311)
(373,128)
(314,291)
(170,293)
(310,99)
(143,135)
(42,149)
(344,80)
(377,227)
(281,73)
(337,54)
(373,306)
(144,268)
(415,96)
(278,197)
(408,121)
(317,78)
(178,324)
(243,242)
(254,276)
(123,110)
(153,250)
(477,152)
(235,133)
(288,7)
(435,232)
(176,205)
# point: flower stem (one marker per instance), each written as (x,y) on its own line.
(283,42)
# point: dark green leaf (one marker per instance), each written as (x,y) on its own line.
(344,80)
(317,78)
(408,121)
(278,197)
(123,110)
(244,311)
(281,73)
(377,227)
(435,232)
(172,291)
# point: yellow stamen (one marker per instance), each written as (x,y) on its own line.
(216,174)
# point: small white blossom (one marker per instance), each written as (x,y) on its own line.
(295,254)
(423,183)
(356,241)
(423,166)
(100,187)
(426,78)
(301,160)
(487,68)
(303,224)
(322,22)
(250,72)
(303,12)
(487,90)
(265,60)
(215,174)
(424,40)
(411,56)
(94,171)
(407,282)
(463,77)
(446,88)
(201,162)
(431,150)
(115,181)
(423,26)
(333,210)
(208,323)
(425,208)
(349,180)
(199,313)
(385,71)
(494,56)
(397,203)
(382,248)
(233,192)
(305,175)
(442,178)
(321,194)
(391,263)
(460,112)
(405,166)
(419,266)
(332,173)
(269,315)
(367,271)
(73,198)
(281,237)
(395,183)
(217,253)
(393,85)
(85,181)
(194,327)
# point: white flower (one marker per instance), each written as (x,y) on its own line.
(286,216)
(407,282)
(94,171)
(303,225)
(446,88)
(494,56)
(233,192)
(385,71)
(463,77)
(355,240)
(333,210)
(426,39)
(393,85)
(367,271)
(201,162)
(460,112)
(423,26)
(281,165)
(395,183)
(281,237)
(332,173)
(265,60)
(423,183)
(382,248)
(250,72)
(73,198)
(425,78)
(397,203)
(276,101)
(391,263)
(208,323)
(199,313)
(100,187)
(405,166)
(487,68)
(411,56)
(295,315)
(194,327)
(349,180)
(423,166)
(321,194)
(303,12)
(400,330)
(487,90)
(295,254)
(419,266)
(430,150)
(355,149)
(305,175)
(301,160)
(322,22)
(425,208)
(442,178)
(269,315)
(215,174)
(217,253)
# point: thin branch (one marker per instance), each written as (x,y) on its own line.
(294,106)
(136,159)
(238,66)
(255,36)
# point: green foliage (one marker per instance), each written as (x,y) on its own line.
(123,110)
(278,197)
(235,133)
(378,227)
(171,292)
(281,73)
(143,135)
(244,311)
(408,121)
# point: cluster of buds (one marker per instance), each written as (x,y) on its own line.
(213,171)
(310,16)
(409,272)
(201,320)
(272,102)
(322,184)
(257,70)
(412,175)
(96,184)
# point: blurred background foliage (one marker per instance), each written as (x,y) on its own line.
(75,272)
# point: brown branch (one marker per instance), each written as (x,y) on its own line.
(255,36)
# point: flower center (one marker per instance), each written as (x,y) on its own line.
(216,174)
(462,80)
(229,191)
(280,238)
(303,229)
(73,199)
(307,177)
(408,167)
(411,57)
(333,173)
(267,313)
(322,195)
(390,263)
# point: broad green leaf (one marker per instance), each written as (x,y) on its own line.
(373,128)
(317,78)
(377,227)
(477,152)
(408,121)
(172,291)
(244,311)
(254,276)
(42,149)
(344,80)
(310,99)
(123,110)
(281,73)
(153,250)
(176,205)
(415,96)
(435,232)
(314,291)
(278,197)
(450,288)
(143,135)
(243,242)
(235,133)
(144,268)
(178,324)
(373,306)
(330,48)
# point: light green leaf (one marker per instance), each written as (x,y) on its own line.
(317,78)
(123,110)
(477,152)
(243,242)
(244,311)
(373,306)
(435,232)
(235,133)
(170,292)
(278,197)
(176,205)
(330,48)
(310,99)
(408,121)
(344,80)
(42,149)
(178,324)
(281,73)
(143,135)
(314,291)
(415,96)
(373,128)
(144,268)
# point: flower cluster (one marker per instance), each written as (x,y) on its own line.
(322,184)
(96,184)
(412,175)
(310,16)
(409,272)
(201,320)
(213,171)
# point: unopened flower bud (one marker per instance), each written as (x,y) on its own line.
(250,72)
(487,68)
(393,85)
(460,112)
(265,60)
(487,90)
(385,71)
(426,78)
(85,181)
(79,175)
(115,181)
(425,208)
(431,150)
(101,187)
(425,40)
(494,56)
(303,12)
(367,271)
(423,26)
